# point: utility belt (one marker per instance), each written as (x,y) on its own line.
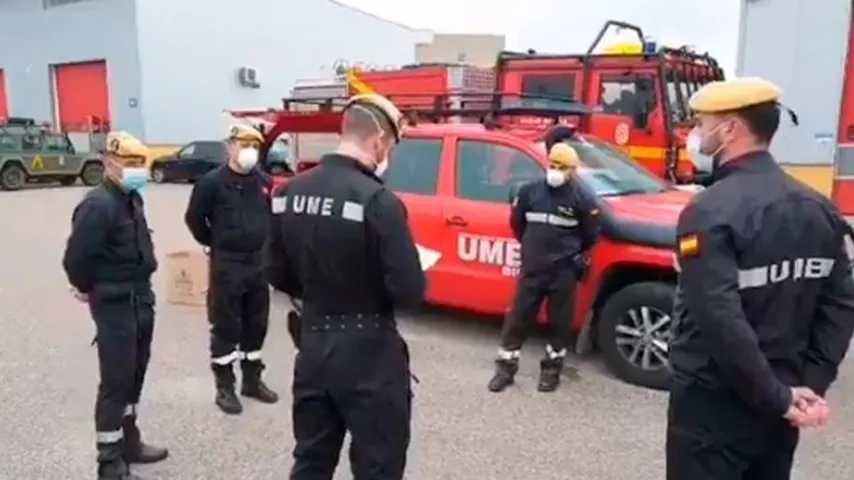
(348,322)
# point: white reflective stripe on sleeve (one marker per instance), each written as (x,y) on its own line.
(130,410)
(562,222)
(253,356)
(536,217)
(509,354)
(558,221)
(226,359)
(752,278)
(353,211)
(110,437)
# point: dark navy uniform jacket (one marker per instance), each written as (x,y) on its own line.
(553,224)
(229,211)
(767,296)
(341,242)
(110,241)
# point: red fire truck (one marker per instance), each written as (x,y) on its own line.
(638,94)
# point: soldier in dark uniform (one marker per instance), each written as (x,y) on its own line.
(556,220)
(340,242)
(765,310)
(109,260)
(229,212)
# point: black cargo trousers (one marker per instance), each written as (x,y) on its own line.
(558,286)
(124,320)
(238,301)
(351,374)
(712,435)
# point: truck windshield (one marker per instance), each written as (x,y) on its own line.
(611,173)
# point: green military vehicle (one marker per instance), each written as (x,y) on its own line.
(31,153)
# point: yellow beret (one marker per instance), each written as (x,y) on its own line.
(245,133)
(384,106)
(737,94)
(563,155)
(125,145)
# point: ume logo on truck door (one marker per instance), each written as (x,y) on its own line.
(500,252)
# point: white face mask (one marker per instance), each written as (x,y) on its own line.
(694,146)
(247,158)
(555,178)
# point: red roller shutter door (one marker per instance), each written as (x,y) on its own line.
(4,107)
(81,93)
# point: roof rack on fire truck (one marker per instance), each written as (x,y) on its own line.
(449,106)
(323,114)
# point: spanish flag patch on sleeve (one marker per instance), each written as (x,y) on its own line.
(689,245)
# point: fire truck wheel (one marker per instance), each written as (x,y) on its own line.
(92,174)
(158,174)
(634,333)
(13,177)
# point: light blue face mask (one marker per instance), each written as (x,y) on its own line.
(134,179)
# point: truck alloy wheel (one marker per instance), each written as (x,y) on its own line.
(13,177)
(634,333)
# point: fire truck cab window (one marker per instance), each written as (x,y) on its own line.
(488,172)
(558,87)
(414,166)
(632,96)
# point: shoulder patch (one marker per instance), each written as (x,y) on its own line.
(689,245)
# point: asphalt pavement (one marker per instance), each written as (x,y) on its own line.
(595,427)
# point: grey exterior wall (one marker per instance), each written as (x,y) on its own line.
(33,38)
(191,51)
(801,45)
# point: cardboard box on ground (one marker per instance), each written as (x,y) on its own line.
(187,282)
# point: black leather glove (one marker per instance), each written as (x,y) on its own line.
(294,327)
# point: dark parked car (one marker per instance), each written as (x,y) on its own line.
(190,163)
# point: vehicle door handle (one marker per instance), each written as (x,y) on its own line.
(456,221)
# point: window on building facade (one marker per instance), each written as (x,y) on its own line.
(59,3)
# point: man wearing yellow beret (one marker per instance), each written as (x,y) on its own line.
(228,212)
(556,220)
(109,260)
(765,307)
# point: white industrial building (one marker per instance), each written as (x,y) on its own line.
(165,70)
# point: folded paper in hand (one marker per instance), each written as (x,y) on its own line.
(427,257)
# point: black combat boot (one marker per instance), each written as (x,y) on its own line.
(226,398)
(550,370)
(253,386)
(116,470)
(135,450)
(505,370)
